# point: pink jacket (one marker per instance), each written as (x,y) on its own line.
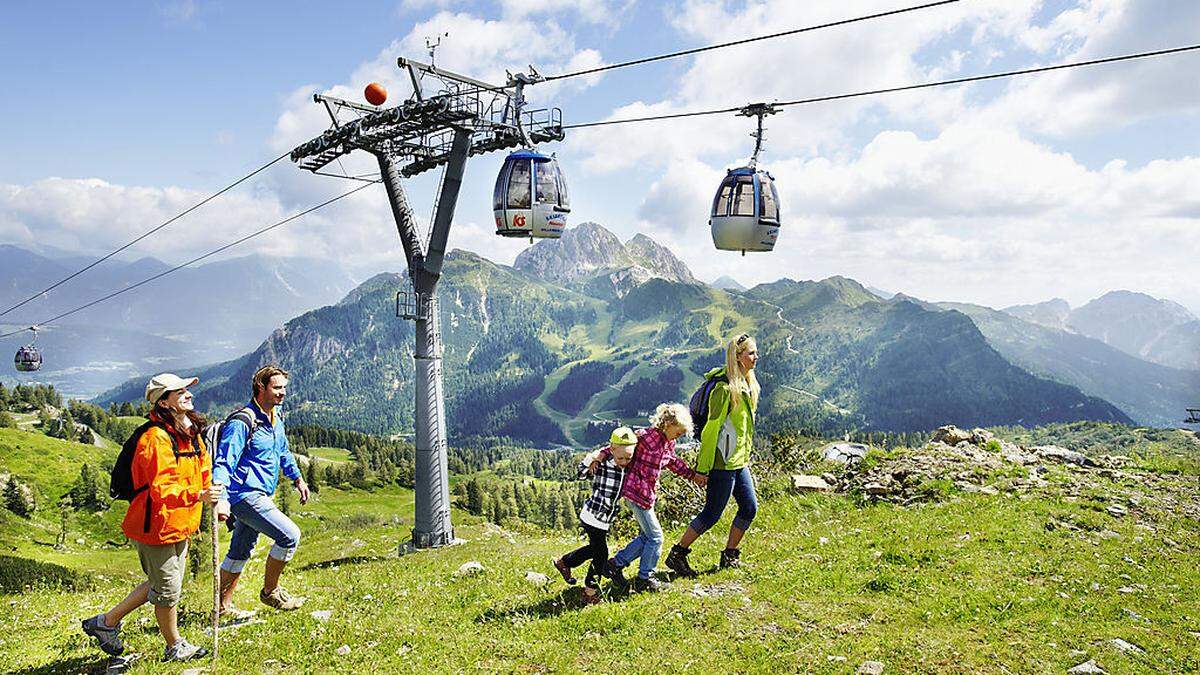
(653,453)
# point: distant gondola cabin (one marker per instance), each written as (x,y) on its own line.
(530,199)
(745,211)
(28,359)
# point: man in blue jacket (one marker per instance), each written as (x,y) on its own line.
(248,460)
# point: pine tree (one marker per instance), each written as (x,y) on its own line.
(313,475)
(14,499)
(474,497)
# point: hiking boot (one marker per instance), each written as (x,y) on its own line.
(184,651)
(613,572)
(235,614)
(677,561)
(592,598)
(564,571)
(647,585)
(109,638)
(730,558)
(280,599)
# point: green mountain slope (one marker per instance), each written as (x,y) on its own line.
(1150,393)
(835,357)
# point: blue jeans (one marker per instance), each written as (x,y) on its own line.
(256,514)
(646,545)
(721,483)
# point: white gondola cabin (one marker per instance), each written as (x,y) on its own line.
(530,199)
(745,211)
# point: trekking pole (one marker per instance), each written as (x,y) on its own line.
(216,612)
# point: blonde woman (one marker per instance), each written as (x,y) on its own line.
(725,443)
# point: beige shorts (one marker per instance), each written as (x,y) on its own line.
(164,565)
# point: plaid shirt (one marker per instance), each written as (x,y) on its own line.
(654,453)
(600,507)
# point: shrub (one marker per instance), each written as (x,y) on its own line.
(18,575)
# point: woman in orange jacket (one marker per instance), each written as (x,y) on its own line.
(175,468)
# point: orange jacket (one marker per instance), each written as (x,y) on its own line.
(169,511)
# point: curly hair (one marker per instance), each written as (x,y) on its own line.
(667,413)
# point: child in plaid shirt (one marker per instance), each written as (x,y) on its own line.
(598,511)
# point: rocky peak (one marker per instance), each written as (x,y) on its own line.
(589,250)
(1052,313)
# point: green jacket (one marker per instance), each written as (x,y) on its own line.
(743,423)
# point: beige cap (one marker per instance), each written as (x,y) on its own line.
(161,384)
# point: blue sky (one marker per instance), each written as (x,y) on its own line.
(1066,185)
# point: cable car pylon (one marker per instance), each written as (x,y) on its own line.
(463,118)
(745,210)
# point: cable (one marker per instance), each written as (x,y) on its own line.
(197,259)
(909,87)
(794,31)
(195,206)
(697,50)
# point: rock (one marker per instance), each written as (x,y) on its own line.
(804,483)
(1063,455)
(1117,510)
(193,671)
(876,489)
(1088,667)
(321,614)
(951,435)
(343,650)
(980,437)
(357,543)
(845,453)
(829,478)
(469,568)
(537,578)
(1127,647)
(80,541)
(870,668)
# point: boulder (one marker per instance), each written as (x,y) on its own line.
(870,668)
(1055,453)
(1127,647)
(804,483)
(1088,667)
(470,568)
(951,435)
(876,489)
(980,437)
(844,453)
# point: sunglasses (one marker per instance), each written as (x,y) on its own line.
(743,337)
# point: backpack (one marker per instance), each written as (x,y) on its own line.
(212,434)
(120,480)
(698,406)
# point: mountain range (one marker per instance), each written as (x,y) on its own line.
(588,329)
(205,314)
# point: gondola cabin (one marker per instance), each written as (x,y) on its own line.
(745,211)
(531,198)
(28,359)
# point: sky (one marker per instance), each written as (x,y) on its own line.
(1066,184)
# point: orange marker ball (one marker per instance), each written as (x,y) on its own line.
(375,93)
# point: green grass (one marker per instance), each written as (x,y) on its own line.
(974,584)
(331,454)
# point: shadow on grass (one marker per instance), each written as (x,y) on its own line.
(79,664)
(348,560)
(568,600)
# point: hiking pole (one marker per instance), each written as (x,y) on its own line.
(216,612)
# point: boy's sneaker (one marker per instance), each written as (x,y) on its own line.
(280,599)
(564,571)
(184,651)
(109,638)
(730,558)
(613,572)
(647,585)
(677,561)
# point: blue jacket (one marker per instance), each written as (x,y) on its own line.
(246,467)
